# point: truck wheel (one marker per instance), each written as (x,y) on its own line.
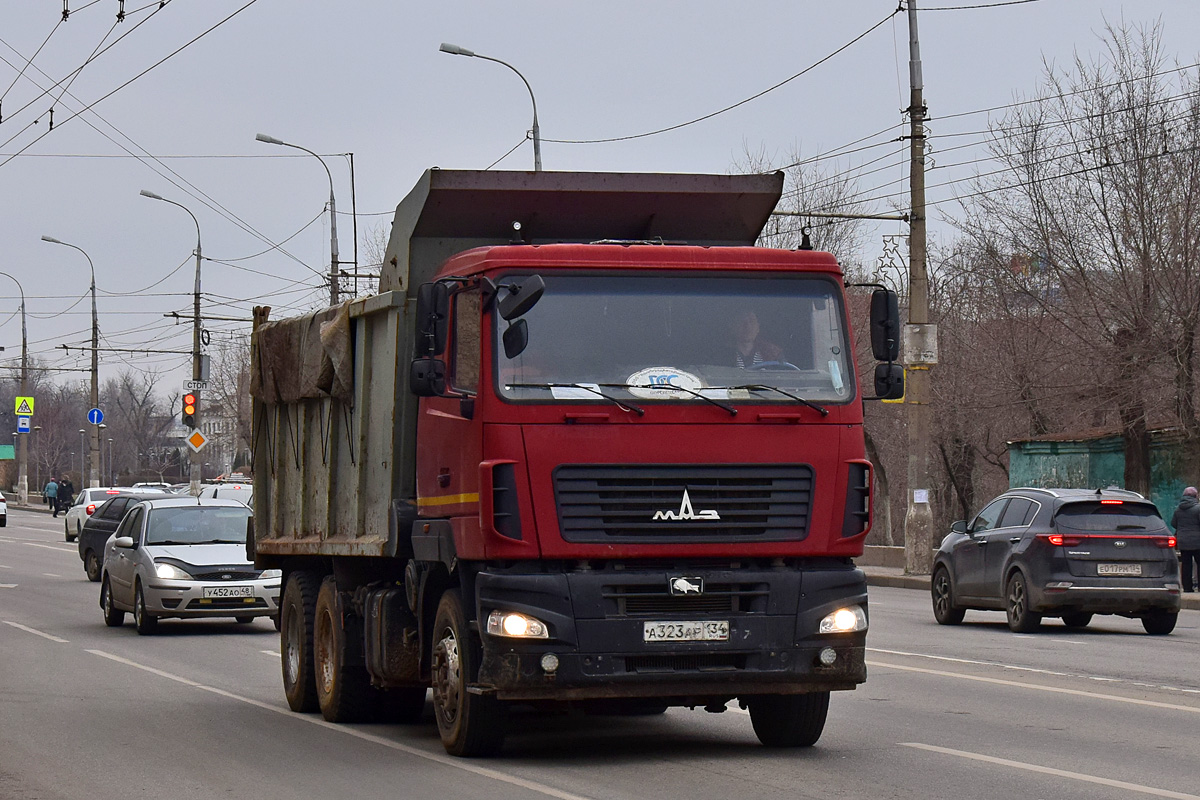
(298,611)
(1020,618)
(113,616)
(91,565)
(944,610)
(469,724)
(343,692)
(790,720)
(1159,622)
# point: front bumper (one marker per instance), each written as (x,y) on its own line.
(186,600)
(773,645)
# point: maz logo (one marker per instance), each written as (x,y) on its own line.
(685,512)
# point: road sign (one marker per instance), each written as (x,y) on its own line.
(195,386)
(196,440)
(24,407)
(95,416)
(22,424)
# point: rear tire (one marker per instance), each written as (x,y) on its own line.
(790,720)
(343,692)
(67,531)
(1020,618)
(297,613)
(1079,619)
(113,616)
(91,565)
(469,724)
(146,623)
(944,610)
(1159,622)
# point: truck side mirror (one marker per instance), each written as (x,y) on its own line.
(885,326)
(517,298)
(433,313)
(516,338)
(889,381)
(427,377)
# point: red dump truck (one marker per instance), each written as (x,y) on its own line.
(587,445)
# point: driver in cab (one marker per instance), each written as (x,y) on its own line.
(749,348)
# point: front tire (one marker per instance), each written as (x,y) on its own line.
(1159,622)
(343,691)
(469,724)
(146,623)
(113,616)
(91,565)
(944,610)
(790,720)
(296,640)
(1020,618)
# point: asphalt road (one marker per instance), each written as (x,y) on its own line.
(967,712)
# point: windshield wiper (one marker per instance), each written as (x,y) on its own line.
(759,387)
(732,411)
(619,403)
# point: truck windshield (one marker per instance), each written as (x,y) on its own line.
(721,338)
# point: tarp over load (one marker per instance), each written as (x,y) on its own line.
(304,358)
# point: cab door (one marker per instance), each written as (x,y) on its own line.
(971,553)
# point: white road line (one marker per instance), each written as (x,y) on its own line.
(5,566)
(968,661)
(50,575)
(8,585)
(1060,773)
(38,633)
(444,760)
(271,653)
(1039,688)
(52,547)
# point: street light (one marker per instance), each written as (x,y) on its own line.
(333,242)
(194,488)
(455,50)
(94,446)
(22,445)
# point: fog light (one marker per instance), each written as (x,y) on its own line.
(827,656)
(518,626)
(549,663)
(844,620)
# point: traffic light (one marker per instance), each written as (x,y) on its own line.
(189,409)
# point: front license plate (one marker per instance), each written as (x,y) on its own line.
(228,591)
(703,631)
(1119,569)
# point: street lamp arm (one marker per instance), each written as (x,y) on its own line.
(455,50)
(91,266)
(153,196)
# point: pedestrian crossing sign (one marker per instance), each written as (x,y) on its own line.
(24,406)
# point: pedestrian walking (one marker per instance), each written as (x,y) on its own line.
(50,495)
(1186,521)
(66,494)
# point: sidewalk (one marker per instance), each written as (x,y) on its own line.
(895,578)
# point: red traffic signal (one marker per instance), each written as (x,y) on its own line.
(189,409)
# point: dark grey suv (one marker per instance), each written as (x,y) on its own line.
(1068,553)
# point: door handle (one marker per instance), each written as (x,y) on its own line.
(1014,540)
(981,542)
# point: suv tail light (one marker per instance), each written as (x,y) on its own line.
(1165,541)
(91,508)
(1060,540)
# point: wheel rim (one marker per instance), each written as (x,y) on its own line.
(93,565)
(139,609)
(1016,600)
(323,646)
(941,594)
(108,606)
(447,677)
(291,661)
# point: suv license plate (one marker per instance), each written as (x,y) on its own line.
(228,591)
(1118,569)
(702,631)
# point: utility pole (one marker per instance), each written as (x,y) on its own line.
(22,438)
(920,338)
(94,444)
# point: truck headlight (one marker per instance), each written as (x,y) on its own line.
(517,626)
(844,620)
(170,572)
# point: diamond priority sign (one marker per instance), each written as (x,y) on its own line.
(196,440)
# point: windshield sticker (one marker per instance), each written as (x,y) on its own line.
(662,383)
(584,391)
(835,372)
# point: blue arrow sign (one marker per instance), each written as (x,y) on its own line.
(95,416)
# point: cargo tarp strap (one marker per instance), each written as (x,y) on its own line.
(263,424)
(349,432)
(326,427)
(293,435)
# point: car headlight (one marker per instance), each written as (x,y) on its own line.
(844,620)
(170,572)
(267,574)
(518,626)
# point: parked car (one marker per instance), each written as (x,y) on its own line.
(3,511)
(166,487)
(184,557)
(1069,553)
(102,524)
(242,492)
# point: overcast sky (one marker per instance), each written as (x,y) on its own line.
(365,77)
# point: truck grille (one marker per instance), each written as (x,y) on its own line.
(674,503)
(653,601)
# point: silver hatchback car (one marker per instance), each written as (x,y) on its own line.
(184,557)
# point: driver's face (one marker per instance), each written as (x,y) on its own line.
(745,326)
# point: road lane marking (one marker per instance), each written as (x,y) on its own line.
(38,633)
(52,547)
(968,661)
(271,653)
(1036,687)
(8,585)
(50,575)
(1059,773)
(444,760)
(5,566)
